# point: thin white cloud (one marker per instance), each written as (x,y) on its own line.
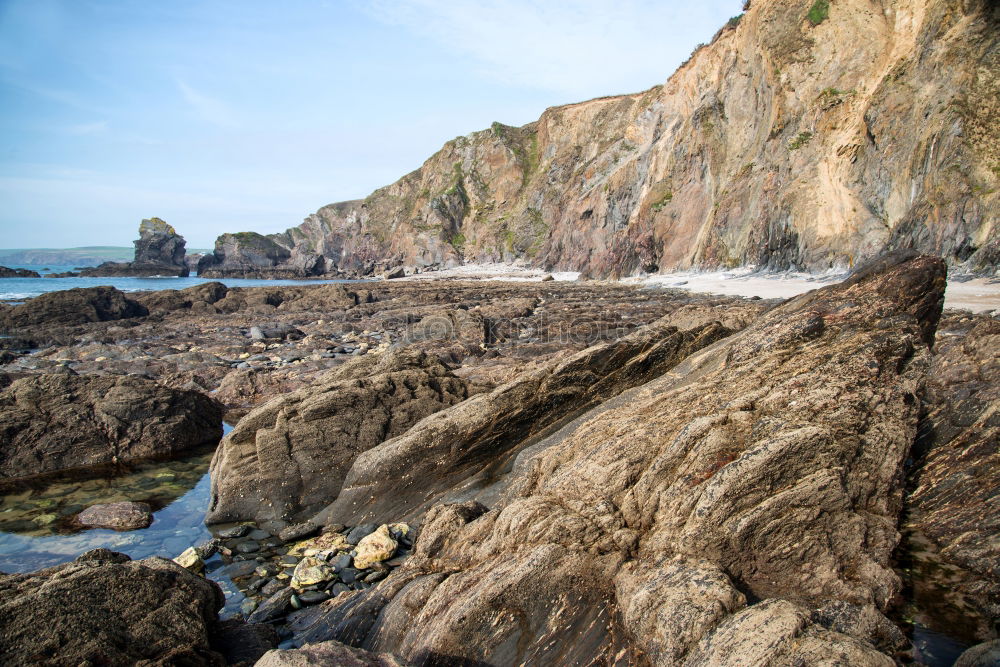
(576,47)
(208,108)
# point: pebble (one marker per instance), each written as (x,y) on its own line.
(313,597)
(340,562)
(249,547)
(234,532)
(296,602)
(272,587)
(248,606)
(360,532)
(259,535)
(374,576)
(348,575)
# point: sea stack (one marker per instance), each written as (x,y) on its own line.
(159,251)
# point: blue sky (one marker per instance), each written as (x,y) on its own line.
(230,116)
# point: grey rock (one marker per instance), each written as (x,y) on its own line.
(360,532)
(273,607)
(234,532)
(117,516)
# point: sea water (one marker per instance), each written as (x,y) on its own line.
(18,289)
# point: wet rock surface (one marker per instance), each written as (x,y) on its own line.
(104,608)
(57,422)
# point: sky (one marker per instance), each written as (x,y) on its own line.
(223,116)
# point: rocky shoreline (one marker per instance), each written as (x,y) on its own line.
(496,473)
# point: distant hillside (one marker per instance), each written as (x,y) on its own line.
(85,256)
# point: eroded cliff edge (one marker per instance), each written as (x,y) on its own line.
(785,143)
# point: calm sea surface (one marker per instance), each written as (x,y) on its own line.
(14,289)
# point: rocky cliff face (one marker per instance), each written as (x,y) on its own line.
(802,136)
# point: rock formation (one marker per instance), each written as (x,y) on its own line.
(73,306)
(251,255)
(104,609)
(741,508)
(159,251)
(58,422)
(6,272)
(290,455)
(796,139)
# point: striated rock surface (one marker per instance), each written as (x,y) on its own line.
(739,509)
(104,609)
(57,422)
(290,455)
(786,142)
(159,251)
(464,449)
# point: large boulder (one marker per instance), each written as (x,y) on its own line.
(57,422)
(73,306)
(104,609)
(159,251)
(742,508)
(289,456)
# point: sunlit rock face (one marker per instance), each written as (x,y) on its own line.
(794,139)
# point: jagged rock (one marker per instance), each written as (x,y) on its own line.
(117,516)
(289,456)
(74,306)
(159,251)
(397,272)
(59,422)
(103,608)
(712,507)
(248,255)
(408,474)
(6,272)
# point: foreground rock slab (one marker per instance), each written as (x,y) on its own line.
(104,609)
(51,422)
(717,510)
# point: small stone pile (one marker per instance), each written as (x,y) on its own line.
(279,574)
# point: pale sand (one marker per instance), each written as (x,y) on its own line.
(975,295)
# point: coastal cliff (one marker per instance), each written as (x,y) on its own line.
(805,136)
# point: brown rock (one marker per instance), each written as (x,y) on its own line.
(59,422)
(74,306)
(327,653)
(117,516)
(289,456)
(712,507)
(103,609)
